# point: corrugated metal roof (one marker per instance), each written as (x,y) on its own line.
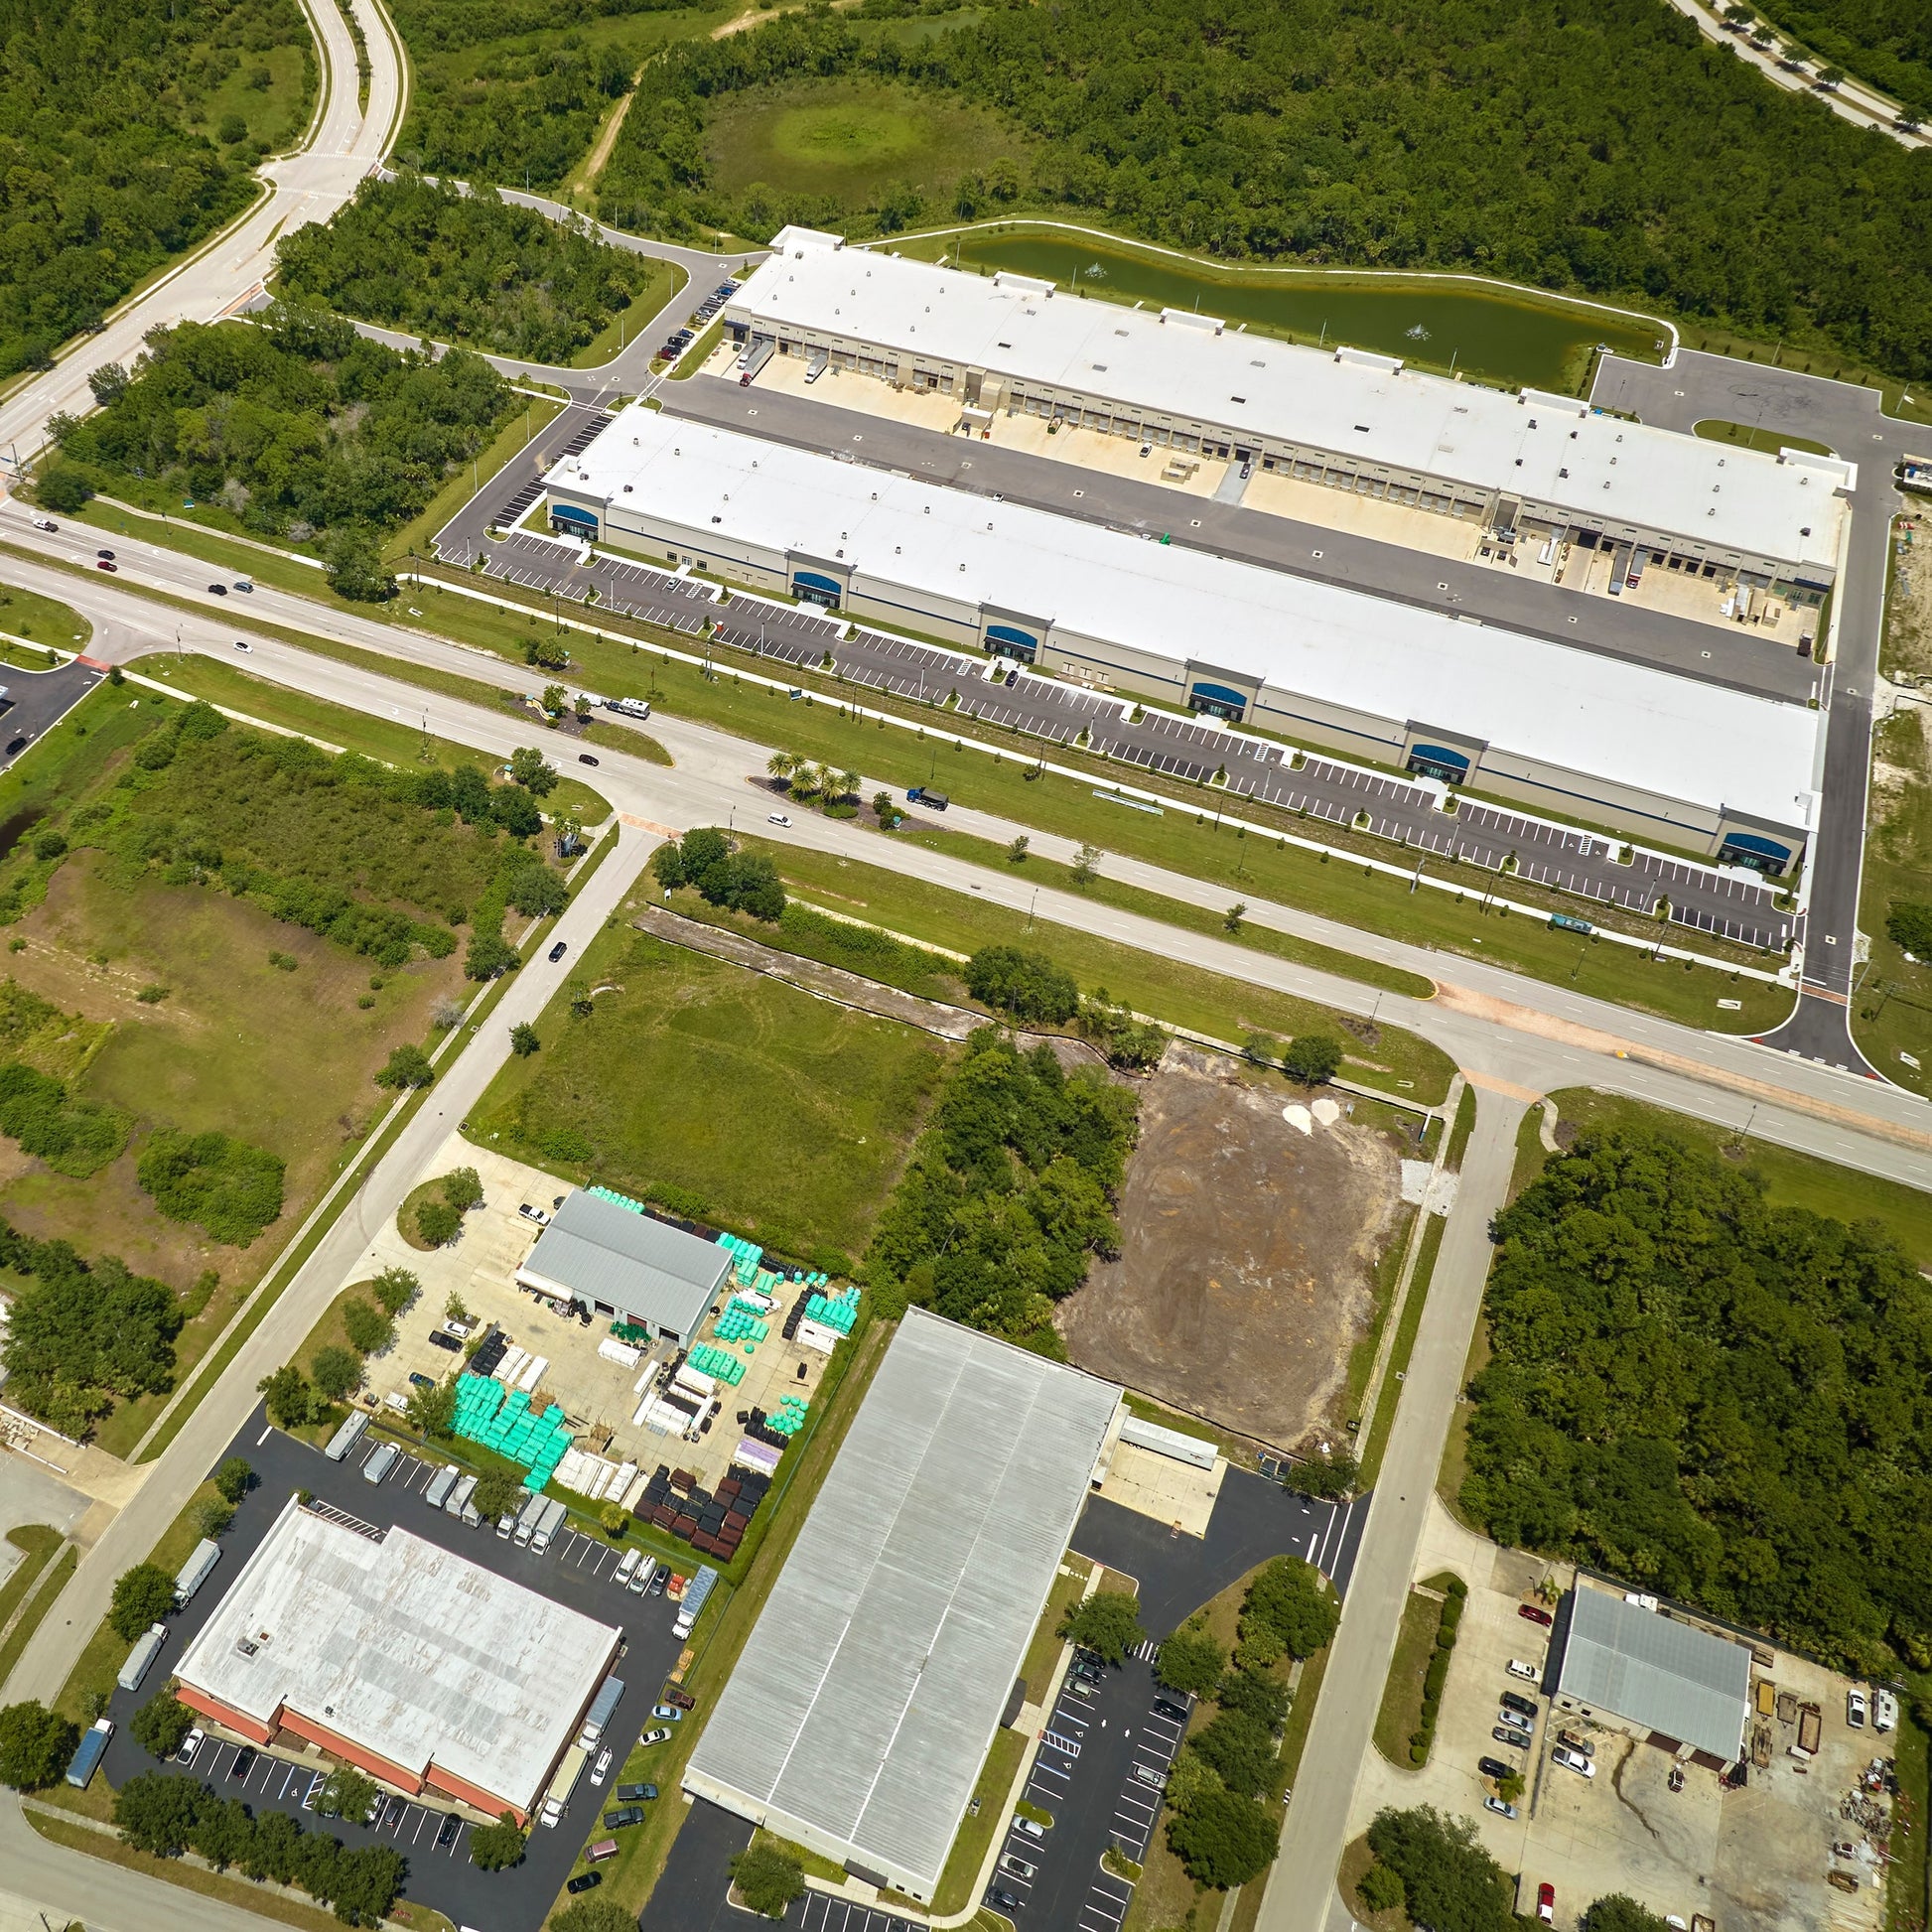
(405,1648)
(595,1249)
(871,1688)
(1653,1671)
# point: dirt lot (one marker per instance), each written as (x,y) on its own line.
(1248,1252)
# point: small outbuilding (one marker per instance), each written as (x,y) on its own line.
(614,1260)
(1628,1665)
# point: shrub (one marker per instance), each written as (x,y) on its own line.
(524,1040)
(63,486)
(143,1595)
(1108,1623)
(1908,925)
(288,1397)
(36,1746)
(1381,1888)
(75,1138)
(407,1066)
(766,1878)
(235,1478)
(222,1184)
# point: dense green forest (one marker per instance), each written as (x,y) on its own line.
(102,172)
(1603,148)
(420,256)
(1885,42)
(514,93)
(298,424)
(1009,1194)
(1726,1402)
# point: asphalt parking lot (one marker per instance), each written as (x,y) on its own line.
(35,701)
(575,1571)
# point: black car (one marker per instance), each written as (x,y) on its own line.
(628,1794)
(585,1881)
(107,554)
(615,1821)
(217,590)
(391,1812)
(445,1837)
(1516,1701)
(438,1339)
(1005,1900)
(244,1762)
(1519,1739)
(1492,1767)
(1168,1709)
(558,950)
(586,758)
(658,1582)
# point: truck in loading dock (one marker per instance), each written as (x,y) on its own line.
(194,1572)
(608,1695)
(440,1486)
(564,1783)
(141,1658)
(757,354)
(457,1502)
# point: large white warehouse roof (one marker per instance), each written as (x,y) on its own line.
(1614,720)
(1548,449)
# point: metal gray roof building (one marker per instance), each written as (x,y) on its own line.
(868,1695)
(1654,1672)
(597,1252)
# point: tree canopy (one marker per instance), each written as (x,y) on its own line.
(295,422)
(1108,1623)
(1609,150)
(1725,1401)
(766,1878)
(419,255)
(36,1746)
(721,872)
(105,176)
(1449,1881)
(1009,1193)
(220,1184)
(1024,986)
(143,1595)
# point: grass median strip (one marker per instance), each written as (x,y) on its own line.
(1400,1351)
(35,1608)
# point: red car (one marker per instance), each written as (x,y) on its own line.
(682,1699)
(1546,1903)
(1535,1612)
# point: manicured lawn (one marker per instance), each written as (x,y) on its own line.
(976,1830)
(1169,989)
(34,1609)
(37,1542)
(1044,1650)
(1790,1179)
(1400,1711)
(1400,1351)
(27,613)
(787,1117)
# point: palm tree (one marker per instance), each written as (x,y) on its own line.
(782,764)
(848,784)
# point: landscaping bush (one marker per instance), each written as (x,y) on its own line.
(407,1066)
(368,1329)
(160,1725)
(766,1878)
(1311,1058)
(1908,925)
(221,1185)
(1108,1623)
(143,1595)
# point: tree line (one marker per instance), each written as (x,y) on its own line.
(300,427)
(1885,42)
(418,255)
(1009,1193)
(101,175)
(1723,1401)
(1604,150)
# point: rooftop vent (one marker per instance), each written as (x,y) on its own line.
(1237,399)
(1363,429)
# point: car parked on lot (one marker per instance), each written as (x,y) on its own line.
(244,1762)
(1535,1613)
(1884,1711)
(392,1811)
(628,1794)
(1168,1709)
(602,1769)
(1572,1760)
(1528,1672)
(585,1881)
(536,1214)
(624,1814)
(1499,1807)
(657,1736)
(447,1831)
(1854,1710)
(682,1699)
(1004,1900)
(1031,1826)
(1576,1741)
(438,1339)
(1516,1701)
(1545,1902)
(668,1714)
(1011,1861)
(1492,1767)
(1148,1777)
(1503,1734)
(189,1744)
(1514,1718)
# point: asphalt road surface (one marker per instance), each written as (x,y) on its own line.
(308,185)
(1610,627)
(1849,421)
(32,701)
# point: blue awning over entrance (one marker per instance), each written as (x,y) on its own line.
(573,518)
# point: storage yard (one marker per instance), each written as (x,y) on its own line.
(1248,1253)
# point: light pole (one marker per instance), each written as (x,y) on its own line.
(1029,908)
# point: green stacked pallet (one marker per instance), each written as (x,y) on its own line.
(714,1362)
(834,1311)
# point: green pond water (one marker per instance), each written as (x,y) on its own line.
(1496,336)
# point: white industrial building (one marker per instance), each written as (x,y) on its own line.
(1526,463)
(1562,730)
(869,1689)
(609,1257)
